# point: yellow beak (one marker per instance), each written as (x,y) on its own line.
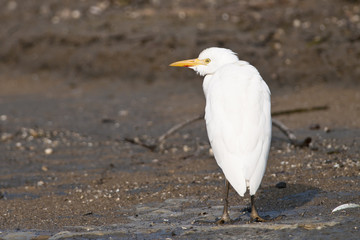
(188,63)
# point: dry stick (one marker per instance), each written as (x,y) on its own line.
(275,122)
(291,136)
(178,126)
(283,128)
(137,141)
(299,110)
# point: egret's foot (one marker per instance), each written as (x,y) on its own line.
(254,217)
(258,219)
(225,218)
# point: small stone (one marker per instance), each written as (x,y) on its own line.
(48,151)
(211,153)
(123,113)
(327,129)
(40,183)
(107,120)
(281,185)
(314,126)
(182,14)
(3,117)
(12,5)
(186,148)
(296,23)
(75,14)
(33,133)
(6,136)
(225,16)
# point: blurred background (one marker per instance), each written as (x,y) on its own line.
(292,42)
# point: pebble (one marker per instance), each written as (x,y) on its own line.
(48,151)
(186,148)
(123,113)
(40,183)
(281,185)
(296,23)
(211,153)
(76,14)
(6,136)
(314,126)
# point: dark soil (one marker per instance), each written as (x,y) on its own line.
(78,78)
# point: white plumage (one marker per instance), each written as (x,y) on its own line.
(238,117)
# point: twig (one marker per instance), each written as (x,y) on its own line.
(178,126)
(158,142)
(299,110)
(284,129)
(137,141)
(290,135)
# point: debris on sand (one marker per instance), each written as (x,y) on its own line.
(345,206)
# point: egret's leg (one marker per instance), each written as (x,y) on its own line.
(254,216)
(225,216)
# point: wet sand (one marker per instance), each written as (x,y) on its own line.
(68,102)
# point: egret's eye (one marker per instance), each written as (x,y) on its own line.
(207,60)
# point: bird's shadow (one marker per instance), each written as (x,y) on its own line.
(273,202)
(271,198)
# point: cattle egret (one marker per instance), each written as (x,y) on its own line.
(238,120)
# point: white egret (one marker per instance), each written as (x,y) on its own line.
(238,120)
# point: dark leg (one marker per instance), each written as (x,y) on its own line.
(225,218)
(254,216)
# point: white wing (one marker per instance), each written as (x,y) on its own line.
(238,121)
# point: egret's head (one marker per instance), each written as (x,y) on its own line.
(209,60)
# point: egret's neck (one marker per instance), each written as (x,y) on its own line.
(209,76)
(206,83)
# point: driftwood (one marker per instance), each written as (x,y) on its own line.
(158,143)
(299,110)
(290,135)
